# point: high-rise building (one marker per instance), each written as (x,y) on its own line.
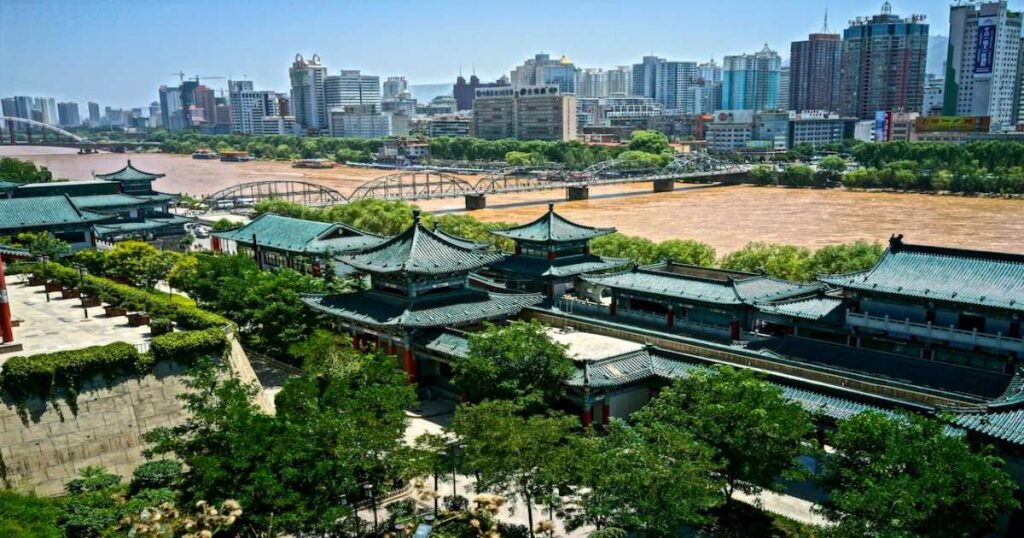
(205,100)
(308,98)
(667,82)
(68,114)
(172,113)
(94,114)
(47,109)
(465,93)
(360,121)
(815,68)
(784,81)
(9,106)
(592,83)
(154,114)
(352,88)
(620,80)
(710,71)
(934,88)
(249,106)
(751,81)
(394,86)
(884,59)
(530,113)
(981,68)
(541,70)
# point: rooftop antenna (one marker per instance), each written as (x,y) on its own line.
(824,27)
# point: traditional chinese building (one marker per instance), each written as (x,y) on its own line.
(304,245)
(713,303)
(419,283)
(132,180)
(945,304)
(551,254)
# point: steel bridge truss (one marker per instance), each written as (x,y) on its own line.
(425,185)
(10,120)
(299,192)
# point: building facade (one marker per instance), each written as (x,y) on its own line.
(309,95)
(360,121)
(620,80)
(352,88)
(815,71)
(249,106)
(68,114)
(541,70)
(884,61)
(465,92)
(751,81)
(981,68)
(393,87)
(536,113)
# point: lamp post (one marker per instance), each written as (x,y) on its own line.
(46,285)
(455,461)
(373,499)
(81,283)
(437,492)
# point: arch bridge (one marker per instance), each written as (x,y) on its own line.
(246,195)
(63,138)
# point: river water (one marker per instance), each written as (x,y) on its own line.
(724,217)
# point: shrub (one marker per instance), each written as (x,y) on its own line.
(187,346)
(156,474)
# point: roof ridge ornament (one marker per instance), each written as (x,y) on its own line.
(895,242)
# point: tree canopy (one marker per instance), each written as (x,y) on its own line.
(907,477)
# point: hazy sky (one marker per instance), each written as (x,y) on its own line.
(119,52)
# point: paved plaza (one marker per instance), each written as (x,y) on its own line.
(60,324)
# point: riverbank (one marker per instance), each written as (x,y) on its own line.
(724,217)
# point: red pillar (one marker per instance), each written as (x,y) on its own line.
(355,341)
(1015,328)
(215,243)
(606,413)
(671,317)
(6,328)
(613,306)
(734,330)
(410,365)
(585,417)
(552,255)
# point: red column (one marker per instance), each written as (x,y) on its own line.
(734,330)
(606,413)
(613,306)
(6,328)
(1015,328)
(671,317)
(552,255)
(410,365)
(355,341)
(585,417)
(215,243)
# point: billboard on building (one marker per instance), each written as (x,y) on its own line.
(952,124)
(881,126)
(985,47)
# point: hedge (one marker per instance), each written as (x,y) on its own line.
(156,304)
(187,346)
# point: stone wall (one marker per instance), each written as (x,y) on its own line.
(107,430)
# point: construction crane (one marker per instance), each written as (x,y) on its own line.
(208,77)
(181,76)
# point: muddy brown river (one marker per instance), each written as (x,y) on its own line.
(724,217)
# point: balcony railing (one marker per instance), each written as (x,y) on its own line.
(930,331)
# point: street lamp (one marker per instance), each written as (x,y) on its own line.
(437,492)
(46,285)
(455,456)
(81,284)
(373,499)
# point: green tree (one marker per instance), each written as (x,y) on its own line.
(905,476)
(782,261)
(514,455)
(522,158)
(139,264)
(844,258)
(687,251)
(797,175)
(643,251)
(652,480)
(515,362)
(44,244)
(652,142)
(764,175)
(224,225)
(831,169)
(755,433)
(19,171)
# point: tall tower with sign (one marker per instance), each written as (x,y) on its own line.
(982,63)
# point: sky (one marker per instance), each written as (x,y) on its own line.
(119,52)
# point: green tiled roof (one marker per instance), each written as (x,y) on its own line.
(814,308)
(992,279)
(380,309)
(553,228)
(447,343)
(466,243)
(128,173)
(420,251)
(302,236)
(1006,426)
(147,224)
(41,212)
(712,289)
(7,186)
(109,201)
(14,252)
(559,267)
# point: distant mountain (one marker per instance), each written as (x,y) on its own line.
(425,92)
(938,49)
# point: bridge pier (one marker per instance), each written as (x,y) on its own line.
(577,193)
(475,201)
(664,185)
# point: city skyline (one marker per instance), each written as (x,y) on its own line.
(70,44)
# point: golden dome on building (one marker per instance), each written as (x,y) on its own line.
(565,60)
